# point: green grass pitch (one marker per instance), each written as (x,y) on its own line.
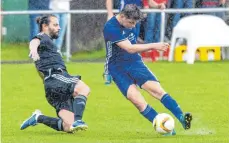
(201,88)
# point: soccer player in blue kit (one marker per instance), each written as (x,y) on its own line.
(128,70)
(120,4)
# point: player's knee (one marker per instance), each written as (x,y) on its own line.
(131,96)
(86,90)
(82,89)
(137,100)
(159,93)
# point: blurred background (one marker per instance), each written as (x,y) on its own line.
(86,29)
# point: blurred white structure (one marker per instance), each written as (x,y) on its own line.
(200,31)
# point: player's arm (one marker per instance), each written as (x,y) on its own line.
(137,48)
(222,2)
(33,46)
(154,4)
(109,7)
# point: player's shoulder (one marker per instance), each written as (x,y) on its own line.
(112,26)
(112,23)
(41,36)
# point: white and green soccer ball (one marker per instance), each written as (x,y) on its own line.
(163,123)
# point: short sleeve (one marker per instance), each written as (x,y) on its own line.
(43,39)
(38,36)
(113,34)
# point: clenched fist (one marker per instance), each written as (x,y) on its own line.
(161,46)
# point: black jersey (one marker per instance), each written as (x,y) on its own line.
(49,57)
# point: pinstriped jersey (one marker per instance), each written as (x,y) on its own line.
(114,32)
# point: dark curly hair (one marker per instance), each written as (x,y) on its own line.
(45,19)
(131,11)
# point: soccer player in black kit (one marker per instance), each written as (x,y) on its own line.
(67,94)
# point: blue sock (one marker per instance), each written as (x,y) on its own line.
(172,105)
(149,113)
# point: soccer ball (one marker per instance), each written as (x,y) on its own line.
(163,123)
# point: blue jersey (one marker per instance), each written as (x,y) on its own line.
(123,3)
(114,32)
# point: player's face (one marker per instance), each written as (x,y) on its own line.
(54,28)
(128,23)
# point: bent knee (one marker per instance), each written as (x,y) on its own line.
(159,93)
(138,100)
(82,89)
(133,94)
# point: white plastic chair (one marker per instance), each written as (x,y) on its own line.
(199,31)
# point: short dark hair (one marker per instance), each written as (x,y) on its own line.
(131,11)
(45,19)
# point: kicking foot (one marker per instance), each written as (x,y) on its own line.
(186,121)
(31,121)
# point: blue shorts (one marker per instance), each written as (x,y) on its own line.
(134,73)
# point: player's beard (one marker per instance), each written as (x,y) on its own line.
(54,35)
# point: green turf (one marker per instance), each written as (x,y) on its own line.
(201,88)
(93,55)
(14,52)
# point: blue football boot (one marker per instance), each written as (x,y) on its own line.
(186,121)
(107,78)
(78,125)
(31,121)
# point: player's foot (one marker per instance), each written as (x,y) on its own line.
(173,133)
(186,121)
(31,121)
(78,125)
(107,78)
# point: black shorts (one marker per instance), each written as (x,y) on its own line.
(59,89)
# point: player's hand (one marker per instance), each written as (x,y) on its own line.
(222,2)
(161,6)
(162,46)
(34,55)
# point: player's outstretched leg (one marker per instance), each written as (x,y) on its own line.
(38,117)
(145,109)
(172,105)
(32,120)
(155,89)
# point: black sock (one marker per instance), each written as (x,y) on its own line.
(55,123)
(79,104)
